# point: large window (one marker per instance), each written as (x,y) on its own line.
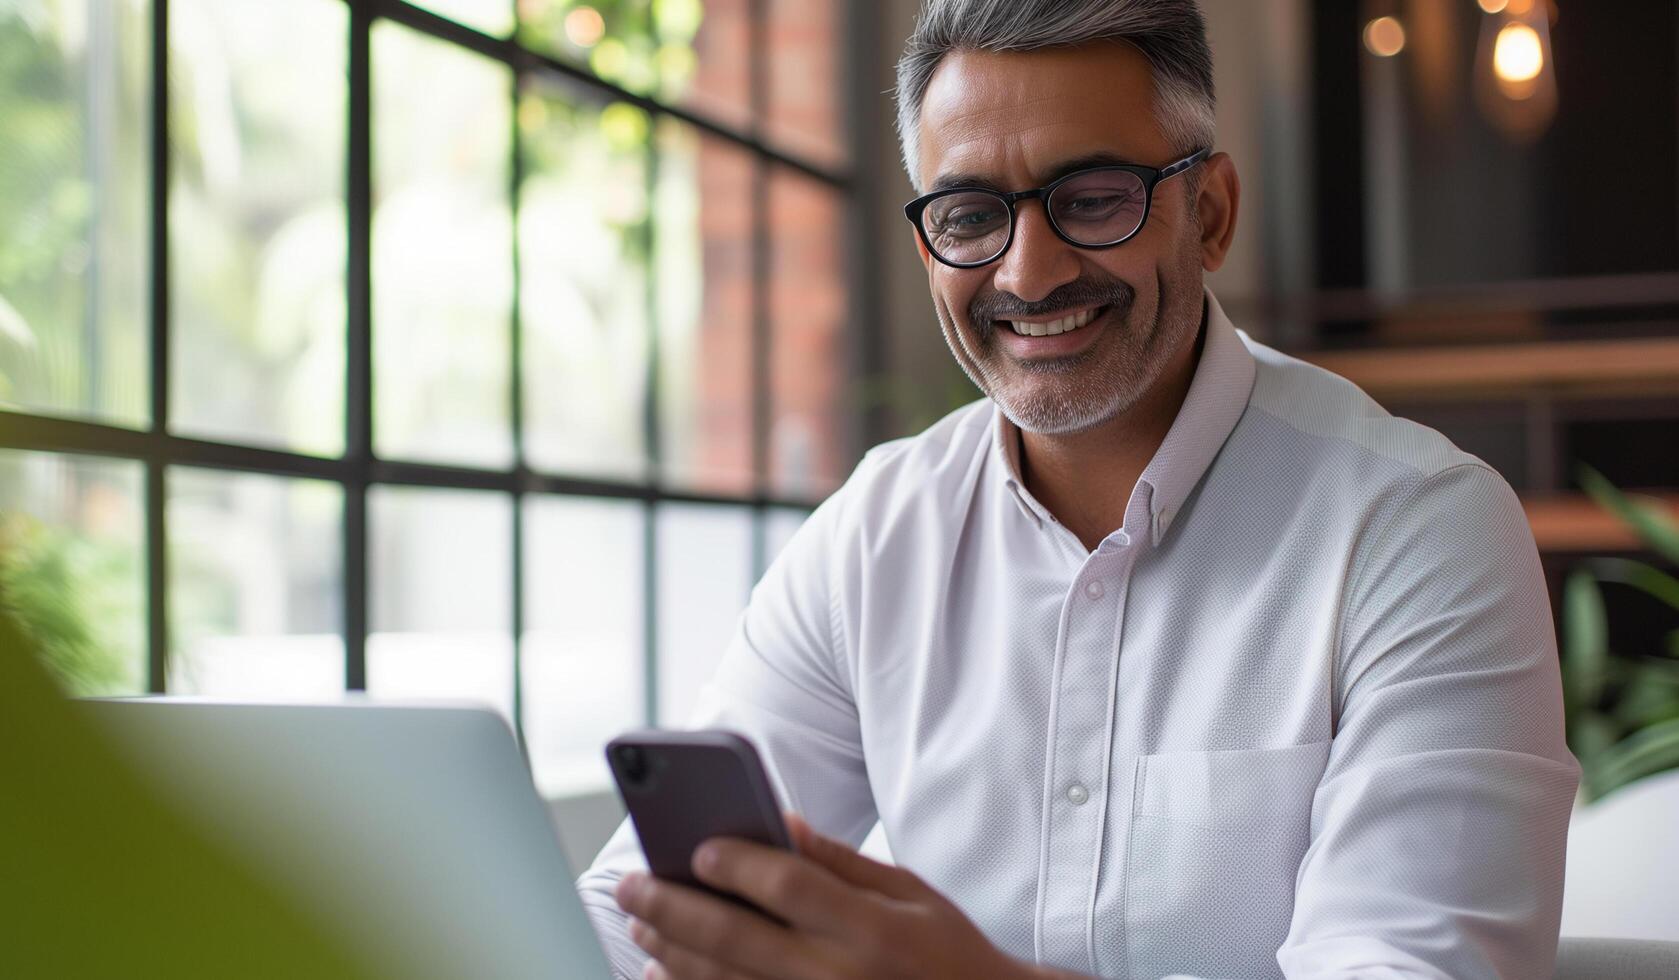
(447,348)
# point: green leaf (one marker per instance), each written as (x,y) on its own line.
(1642,576)
(1651,697)
(1654,749)
(1585,636)
(1590,734)
(1644,515)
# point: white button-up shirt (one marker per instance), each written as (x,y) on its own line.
(1299,717)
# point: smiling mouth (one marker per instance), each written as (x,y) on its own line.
(1051,328)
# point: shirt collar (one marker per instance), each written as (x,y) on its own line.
(1217,397)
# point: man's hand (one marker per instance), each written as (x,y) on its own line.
(847,917)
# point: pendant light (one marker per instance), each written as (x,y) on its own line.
(1515,72)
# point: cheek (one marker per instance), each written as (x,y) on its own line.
(953,292)
(1133,266)
(955,335)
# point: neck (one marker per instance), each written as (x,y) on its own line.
(1086,478)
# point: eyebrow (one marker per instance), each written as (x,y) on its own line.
(1062,169)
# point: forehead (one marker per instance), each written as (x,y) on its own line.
(1012,116)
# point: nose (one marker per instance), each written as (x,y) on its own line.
(1037,261)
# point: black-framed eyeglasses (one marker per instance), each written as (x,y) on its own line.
(967,227)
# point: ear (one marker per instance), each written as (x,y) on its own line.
(1219,197)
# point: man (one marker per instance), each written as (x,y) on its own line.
(1175,656)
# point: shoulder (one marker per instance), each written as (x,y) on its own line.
(1385,480)
(1334,415)
(907,491)
(940,457)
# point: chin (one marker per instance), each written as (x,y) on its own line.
(1050,415)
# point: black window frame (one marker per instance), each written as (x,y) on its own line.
(358,469)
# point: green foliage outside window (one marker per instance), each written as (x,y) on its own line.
(72,207)
(64,593)
(645,46)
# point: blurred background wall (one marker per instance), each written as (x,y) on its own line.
(493,348)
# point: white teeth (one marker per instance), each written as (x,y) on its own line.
(1053,327)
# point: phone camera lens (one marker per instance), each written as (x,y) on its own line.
(632,762)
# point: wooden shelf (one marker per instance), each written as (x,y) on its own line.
(1617,367)
(1573,523)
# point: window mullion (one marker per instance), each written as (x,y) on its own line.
(762,406)
(516,410)
(157,579)
(358,361)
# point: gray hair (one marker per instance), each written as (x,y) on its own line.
(1171,34)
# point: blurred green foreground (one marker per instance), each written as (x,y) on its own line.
(99,878)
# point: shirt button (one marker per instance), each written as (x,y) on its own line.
(1094,589)
(1077,794)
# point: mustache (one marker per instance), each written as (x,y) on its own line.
(986,310)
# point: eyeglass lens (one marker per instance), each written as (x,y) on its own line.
(1097,208)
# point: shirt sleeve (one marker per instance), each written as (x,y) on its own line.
(781,683)
(1439,827)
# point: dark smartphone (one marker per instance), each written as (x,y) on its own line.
(682,788)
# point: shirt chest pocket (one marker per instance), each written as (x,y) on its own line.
(1214,845)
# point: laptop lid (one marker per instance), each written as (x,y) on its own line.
(412,831)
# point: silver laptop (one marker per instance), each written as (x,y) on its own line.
(413,832)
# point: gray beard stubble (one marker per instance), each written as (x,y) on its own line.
(1079,403)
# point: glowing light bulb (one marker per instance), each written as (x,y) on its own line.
(1494,6)
(1385,37)
(1517,55)
(1515,75)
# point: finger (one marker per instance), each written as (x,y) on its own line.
(677,962)
(709,926)
(851,865)
(789,885)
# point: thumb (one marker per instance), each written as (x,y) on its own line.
(850,865)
